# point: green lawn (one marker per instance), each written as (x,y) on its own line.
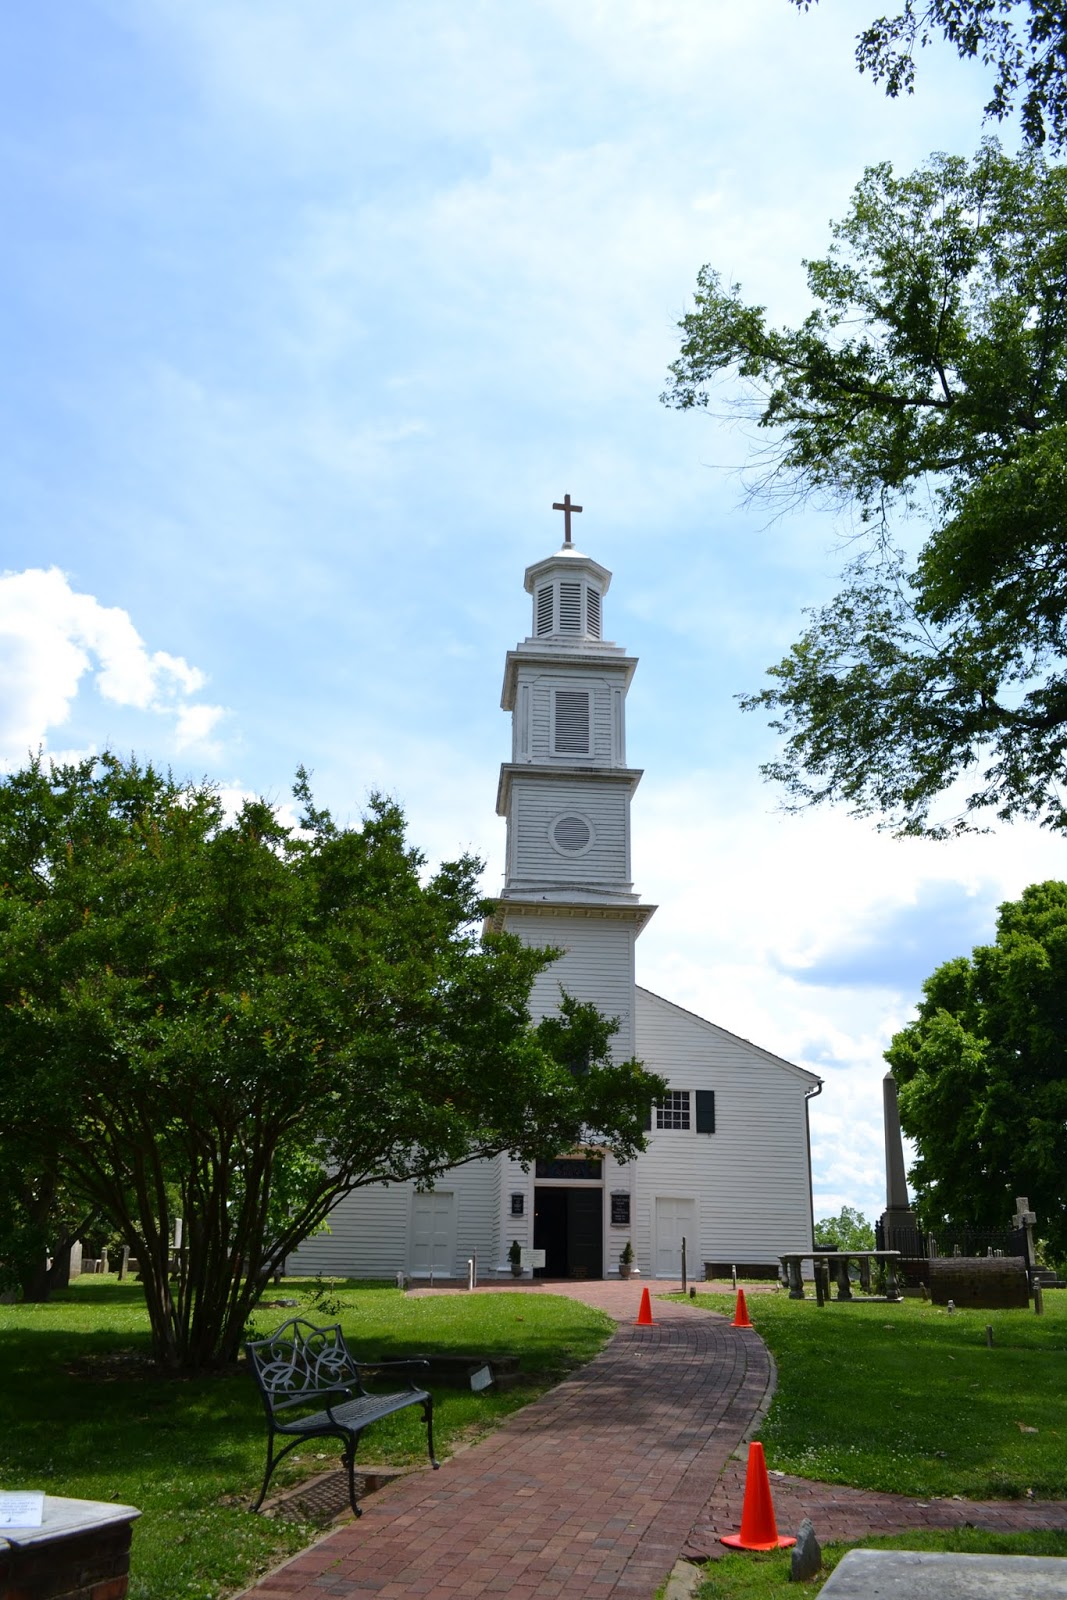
(904,1398)
(83,1417)
(908,1398)
(751,1575)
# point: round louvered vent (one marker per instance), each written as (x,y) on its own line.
(572,835)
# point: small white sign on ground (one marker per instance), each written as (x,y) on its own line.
(22,1508)
(531,1259)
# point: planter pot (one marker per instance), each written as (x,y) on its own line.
(625,1268)
(516,1270)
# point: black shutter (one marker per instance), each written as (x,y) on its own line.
(647,1124)
(705,1110)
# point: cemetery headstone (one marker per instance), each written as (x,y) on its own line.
(806,1559)
(987,1283)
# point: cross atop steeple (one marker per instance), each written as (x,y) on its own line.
(566,507)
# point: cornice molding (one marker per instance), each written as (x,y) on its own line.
(629,777)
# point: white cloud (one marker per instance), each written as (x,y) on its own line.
(52,637)
(194,724)
(790,931)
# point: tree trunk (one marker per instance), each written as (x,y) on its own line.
(42,1279)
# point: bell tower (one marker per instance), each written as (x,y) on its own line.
(565,793)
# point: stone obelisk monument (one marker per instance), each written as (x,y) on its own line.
(898,1214)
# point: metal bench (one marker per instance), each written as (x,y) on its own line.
(312,1388)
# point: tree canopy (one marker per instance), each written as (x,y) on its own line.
(238,1022)
(1026,44)
(849,1230)
(982,1075)
(926,390)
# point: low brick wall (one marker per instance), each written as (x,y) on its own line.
(82,1552)
(987,1283)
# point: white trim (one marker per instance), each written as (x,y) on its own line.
(573,755)
(554,842)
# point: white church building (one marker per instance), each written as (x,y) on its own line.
(728,1162)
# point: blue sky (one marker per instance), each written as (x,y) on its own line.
(311,312)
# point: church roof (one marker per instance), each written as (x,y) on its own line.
(724,1033)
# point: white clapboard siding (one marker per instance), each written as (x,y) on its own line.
(533,859)
(477,1187)
(511,1179)
(371,1229)
(368,1236)
(605,707)
(596,965)
(749,1178)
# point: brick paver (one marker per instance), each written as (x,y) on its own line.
(593,1491)
(848,1514)
(587,1494)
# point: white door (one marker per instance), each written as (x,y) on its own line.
(433,1233)
(675,1220)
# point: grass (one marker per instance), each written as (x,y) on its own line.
(85,1416)
(757,1576)
(907,1398)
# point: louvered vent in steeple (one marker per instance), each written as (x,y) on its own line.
(570,608)
(571,722)
(544,609)
(592,612)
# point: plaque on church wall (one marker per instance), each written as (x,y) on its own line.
(517,1205)
(620,1208)
(576,1169)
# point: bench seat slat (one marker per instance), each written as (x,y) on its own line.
(354,1414)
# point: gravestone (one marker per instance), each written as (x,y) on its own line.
(806,1559)
(934,1575)
(987,1283)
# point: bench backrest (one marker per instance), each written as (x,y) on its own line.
(300,1359)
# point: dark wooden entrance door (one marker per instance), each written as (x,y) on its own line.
(569,1228)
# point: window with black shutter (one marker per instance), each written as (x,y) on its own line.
(705,1109)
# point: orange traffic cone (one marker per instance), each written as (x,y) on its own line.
(644,1316)
(759,1531)
(741,1313)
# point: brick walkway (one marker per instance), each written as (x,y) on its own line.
(586,1494)
(849,1514)
(593,1491)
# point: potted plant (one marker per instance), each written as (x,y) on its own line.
(515,1257)
(626,1260)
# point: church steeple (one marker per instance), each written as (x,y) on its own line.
(568,592)
(566,790)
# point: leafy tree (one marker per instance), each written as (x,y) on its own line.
(40,1221)
(982,1075)
(237,1023)
(928,383)
(849,1230)
(1025,43)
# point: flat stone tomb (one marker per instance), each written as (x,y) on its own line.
(926,1575)
(837,1261)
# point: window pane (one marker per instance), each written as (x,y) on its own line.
(673,1111)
